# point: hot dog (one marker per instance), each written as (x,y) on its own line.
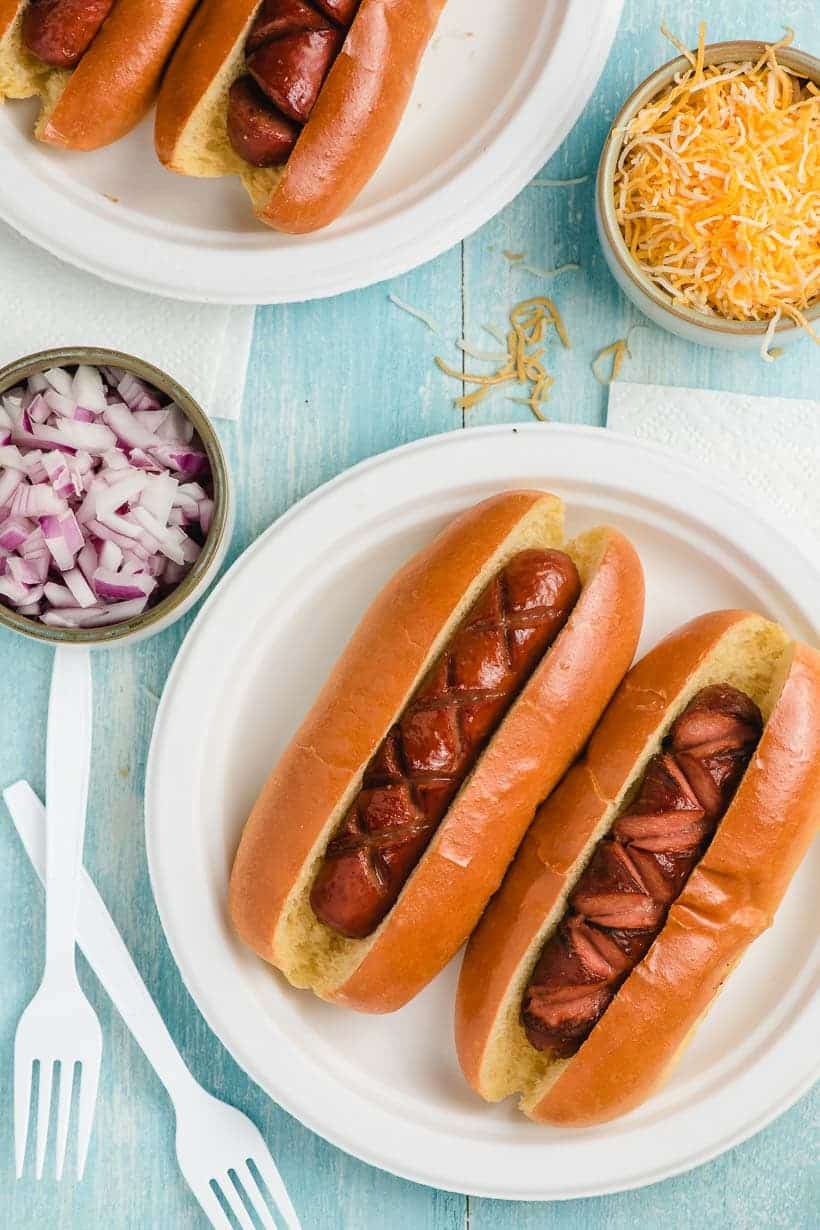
(472,682)
(59,32)
(95,64)
(419,767)
(646,875)
(339,71)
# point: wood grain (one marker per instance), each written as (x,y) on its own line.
(331,383)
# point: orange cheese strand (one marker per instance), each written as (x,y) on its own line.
(717,189)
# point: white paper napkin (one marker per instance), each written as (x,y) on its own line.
(47,303)
(766,448)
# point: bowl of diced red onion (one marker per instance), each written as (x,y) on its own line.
(115,505)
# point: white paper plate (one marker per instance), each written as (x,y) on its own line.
(388,1089)
(500,87)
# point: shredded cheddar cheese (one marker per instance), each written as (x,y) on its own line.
(619,351)
(717,189)
(523,362)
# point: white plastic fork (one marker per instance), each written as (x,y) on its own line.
(212,1138)
(59,1026)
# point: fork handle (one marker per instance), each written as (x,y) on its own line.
(68,762)
(107,954)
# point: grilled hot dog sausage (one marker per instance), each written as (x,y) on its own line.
(638,870)
(341,11)
(260,135)
(277,18)
(420,766)
(59,32)
(290,50)
(292,70)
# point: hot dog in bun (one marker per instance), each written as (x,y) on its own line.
(471,684)
(95,64)
(645,876)
(299,98)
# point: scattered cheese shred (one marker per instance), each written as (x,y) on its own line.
(560,183)
(619,351)
(424,317)
(717,189)
(539,272)
(523,362)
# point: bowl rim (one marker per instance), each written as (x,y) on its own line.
(714,53)
(155,617)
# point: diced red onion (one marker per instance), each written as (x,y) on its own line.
(180,457)
(59,380)
(10,480)
(176,426)
(206,514)
(88,561)
(14,591)
(144,461)
(37,500)
(13,533)
(87,388)
(93,437)
(136,394)
(63,539)
(115,459)
(97,506)
(58,595)
(59,475)
(23,570)
(82,591)
(95,616)
(124,487)
(106,534)
(58,402)
(121,587)
(111,556)
(128,430)
(190,551)
(45,433)
(39,408)
(158,496)
(152,419)
(11,458)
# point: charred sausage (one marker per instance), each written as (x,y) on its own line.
(59,32)
(426,756)
(260,135)
(639,869)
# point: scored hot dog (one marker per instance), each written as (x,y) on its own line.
(299,98)
(59,32)
(645,876)
(416,772)
(95,64)
(471,684)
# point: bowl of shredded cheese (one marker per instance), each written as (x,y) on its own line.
(708,195)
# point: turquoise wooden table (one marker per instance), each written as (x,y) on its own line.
(331,383)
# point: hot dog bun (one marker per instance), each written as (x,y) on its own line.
(729,899)
(113,85)
(401,634)
(355,118)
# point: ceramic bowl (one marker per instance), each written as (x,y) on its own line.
(175,604)
(636,284)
